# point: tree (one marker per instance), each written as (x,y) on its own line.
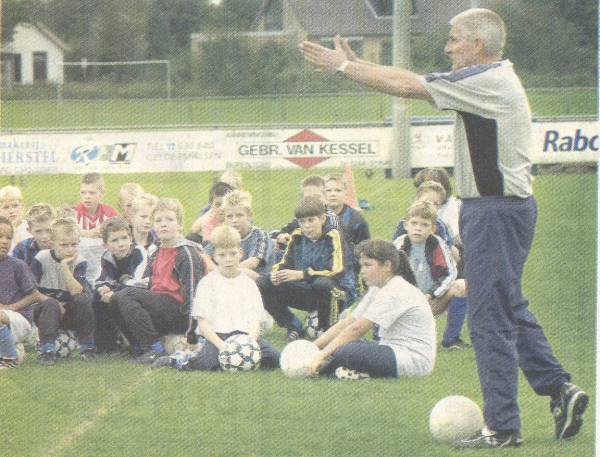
(237,15)
(552,43)
(13,12)
(171,24)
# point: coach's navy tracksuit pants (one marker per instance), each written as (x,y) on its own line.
(497,233)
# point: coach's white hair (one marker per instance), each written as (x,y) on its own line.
(484,24)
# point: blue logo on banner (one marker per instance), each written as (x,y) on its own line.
(85,154)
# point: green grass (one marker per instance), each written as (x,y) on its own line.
(51,114)
(115,408)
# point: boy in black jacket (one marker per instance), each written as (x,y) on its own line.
(122,264)
(174,271)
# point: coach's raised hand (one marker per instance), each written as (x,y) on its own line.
(324,58)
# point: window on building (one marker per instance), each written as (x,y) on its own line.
(274,16)
(40,67)
(17,71)
(13,65)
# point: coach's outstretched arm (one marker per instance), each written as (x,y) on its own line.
(390,80)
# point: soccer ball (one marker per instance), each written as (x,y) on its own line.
(240,353)
(296,357)
(455,418)
(65,343)
(311,325)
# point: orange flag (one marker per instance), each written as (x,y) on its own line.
(351,198)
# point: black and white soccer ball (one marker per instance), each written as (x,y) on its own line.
(240,353)
(311,325)
(65,343)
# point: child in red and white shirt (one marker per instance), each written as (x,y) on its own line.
(91,213)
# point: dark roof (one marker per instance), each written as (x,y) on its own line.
(346,17)
(51,36)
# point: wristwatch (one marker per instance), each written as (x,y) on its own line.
(341,70)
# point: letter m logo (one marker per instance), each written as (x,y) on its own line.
(121,152)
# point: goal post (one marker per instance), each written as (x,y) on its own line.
(84,64)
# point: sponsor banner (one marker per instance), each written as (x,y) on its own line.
(316,147)
(566,142)
(198,150)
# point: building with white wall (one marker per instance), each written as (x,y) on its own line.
(34,55)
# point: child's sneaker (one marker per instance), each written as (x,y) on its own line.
(47,358)
(347,374)
(88,354)
(292,334)
(7,363)
(165,361)
(489,439)
(567,410)
(456,345)
(149,356)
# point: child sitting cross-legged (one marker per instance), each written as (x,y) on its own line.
(90,214)
(312,266)
(39,218)
(227,303)
(18,292)
(174,271)
(144,236)
(203,226)
(127,194)
(60,273)
(397,313)
(122,264)
(430,258)
(11,207)
(257,247)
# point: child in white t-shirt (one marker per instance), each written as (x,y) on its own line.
(405,340)
(227,302)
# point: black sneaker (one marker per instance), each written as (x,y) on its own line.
(346,374)
(166,361)
(567,410)
(88,354)
(7,363)
(149,357)
(456,345)
(293,334)
(47,358)
(489,439)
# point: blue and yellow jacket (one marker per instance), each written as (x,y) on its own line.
(322,257)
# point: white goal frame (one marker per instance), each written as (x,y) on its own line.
(83,63)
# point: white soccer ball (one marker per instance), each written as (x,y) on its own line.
(240,353)
(65,343)
(455,418)
(311,325)
(296,357)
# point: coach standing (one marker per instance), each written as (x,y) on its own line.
(493,173)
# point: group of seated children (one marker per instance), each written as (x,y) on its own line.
(137,277)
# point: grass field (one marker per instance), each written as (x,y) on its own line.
(49,114)
(112,407)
